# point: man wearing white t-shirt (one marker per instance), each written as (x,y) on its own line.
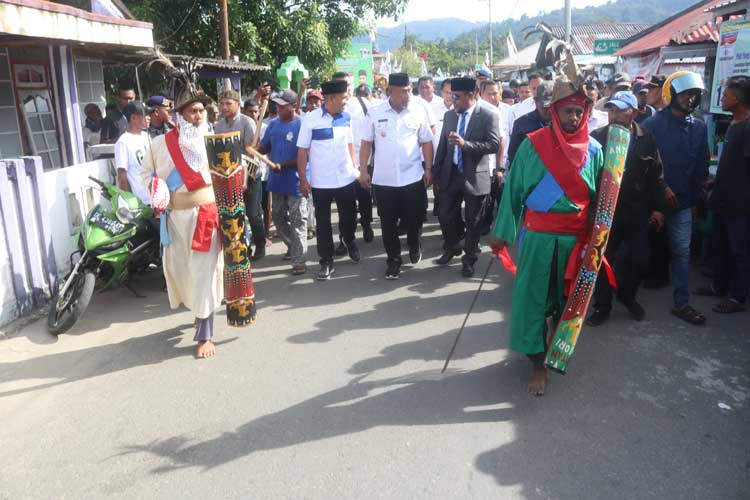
(130,149)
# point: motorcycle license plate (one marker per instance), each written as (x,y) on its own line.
(110,225)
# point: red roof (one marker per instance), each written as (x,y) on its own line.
(692,25)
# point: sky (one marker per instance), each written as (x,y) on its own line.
(477,10)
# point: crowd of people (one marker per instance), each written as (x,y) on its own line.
(520,160)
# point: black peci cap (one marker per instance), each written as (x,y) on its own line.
(463,85)
(334,87)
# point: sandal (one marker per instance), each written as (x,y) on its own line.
(689,314)
(728,307)
(298,269)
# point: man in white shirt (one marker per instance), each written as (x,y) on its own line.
(326,140)
(490,93)
(357,108)
(130,149)
(400,130)
(526,103)
(426,89)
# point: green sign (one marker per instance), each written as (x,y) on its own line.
(607,46)
(357,62)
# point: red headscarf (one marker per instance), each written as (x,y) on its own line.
(573,146)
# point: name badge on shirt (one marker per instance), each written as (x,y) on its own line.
(382,124)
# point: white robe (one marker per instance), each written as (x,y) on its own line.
(194,278)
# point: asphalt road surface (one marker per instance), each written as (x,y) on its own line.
(336,393)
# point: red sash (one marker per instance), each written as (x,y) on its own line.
(573,223)
(208,214)
(570,182)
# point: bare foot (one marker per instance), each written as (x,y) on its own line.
(538,381)
(205,349)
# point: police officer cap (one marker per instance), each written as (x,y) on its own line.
(463,85)
(398,80)
(334,87)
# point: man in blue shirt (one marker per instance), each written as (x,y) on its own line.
(289,207)
(683,144)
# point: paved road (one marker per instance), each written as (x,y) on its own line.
(336,394)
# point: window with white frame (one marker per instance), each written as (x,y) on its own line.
(90,83)
(10,134)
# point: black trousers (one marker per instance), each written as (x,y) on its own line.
(659,255)
(449,215)
(345,198)
(364,204)
(404,203)
(488,219)
(628,253)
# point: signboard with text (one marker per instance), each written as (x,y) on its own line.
(732,58)
(606,46)
(357,62)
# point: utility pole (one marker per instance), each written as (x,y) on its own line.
(568,15)
(224,29)
(490,4)
(224,33)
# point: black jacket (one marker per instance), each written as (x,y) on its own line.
(482,138)
(642,188)
(523,126)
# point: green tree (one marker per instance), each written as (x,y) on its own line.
(408,61)
(263,31)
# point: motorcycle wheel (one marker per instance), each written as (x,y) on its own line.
(65,311)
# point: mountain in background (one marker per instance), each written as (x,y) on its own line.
(459,32)
(447,28)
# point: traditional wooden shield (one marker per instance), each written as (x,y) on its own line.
(225,162)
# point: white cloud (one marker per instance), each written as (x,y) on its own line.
(478,11)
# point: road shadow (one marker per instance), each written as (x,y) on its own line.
(483,338)
(424,398)
(91,362)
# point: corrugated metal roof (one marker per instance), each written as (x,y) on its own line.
(583,35)
(726,3)
(692,25)
(209,62)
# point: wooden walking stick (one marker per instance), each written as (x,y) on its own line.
(471,308)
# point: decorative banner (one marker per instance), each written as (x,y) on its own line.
(732,58)
(357,63)
(566,336)
(225,162)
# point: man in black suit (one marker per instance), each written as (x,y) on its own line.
(461,170)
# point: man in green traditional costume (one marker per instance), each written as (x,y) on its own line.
(551,193)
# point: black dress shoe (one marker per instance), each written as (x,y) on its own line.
(635,309)
(326,272)
(467,271)
(415,255)
(341,249)
(367,233)
(353,250)
(598,317)
(447,256)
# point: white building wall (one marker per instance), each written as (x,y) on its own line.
(70,195)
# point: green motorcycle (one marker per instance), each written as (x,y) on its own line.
(118,239)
